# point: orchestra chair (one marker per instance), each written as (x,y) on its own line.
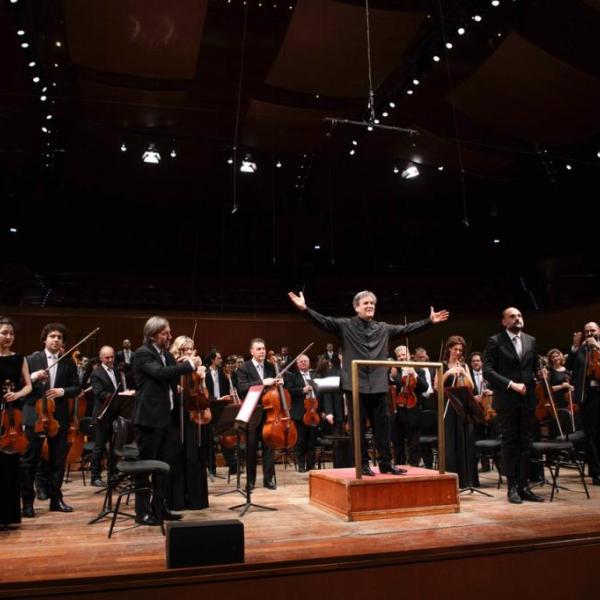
(129,468)
(560,453)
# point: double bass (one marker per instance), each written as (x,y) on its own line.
(279,430)
(75,439)
(12,436)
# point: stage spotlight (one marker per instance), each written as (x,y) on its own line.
(24,45)
(449,45)
(230,161)
(370,128)
(409,92)
(247,165)
(496,241)
(416,82)
(123,147)
(392,104)
(173,153)
(13,230)
(568,167)
(495,2)
(396,170)
(354,143)
(410,172)
(598,154)
(436,58)
(385,113)
(48,117)
(21,32)
(317,247)
(32,64)
(461,31)
(151,156)
(477,18)
(235,209)
(352,152)
(441,168)
(43,98)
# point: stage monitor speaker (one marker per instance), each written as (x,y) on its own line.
(204,543)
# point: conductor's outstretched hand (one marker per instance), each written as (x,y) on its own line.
(439,317)
(299,301)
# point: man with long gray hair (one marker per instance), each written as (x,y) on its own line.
(363,338)
(156,376)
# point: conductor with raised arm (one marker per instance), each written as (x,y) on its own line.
(363,338)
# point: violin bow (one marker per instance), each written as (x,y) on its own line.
(67,352)
(284,371)
(550,397)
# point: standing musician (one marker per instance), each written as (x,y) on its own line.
(156,376)
(297,383)
(257,371)
(583,361)
(559,379)
(407,416)
(16,384)
(188,475)
(57,382)
(364,338)
(509,366)
(106,384)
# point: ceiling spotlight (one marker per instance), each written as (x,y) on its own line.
(416,82)
(278,164)
(441,168)
(385,113)
(151,156)
(568,167)
(21,32)
(396,170)
(449,45)
(409,92)
(392,104)
(173,153)
(317,247)
(370,128)
(36,79)
(496,241)
(58,44)
(376,121)
(354,143)
(436,58)
(13,230)
(461,31)
(123,147)
(32,64)
(495,2)
(24,45)
(247,165)
(410,172)
(48,117)
(45,130)
(352,152)
(598,154)
(234,209)
(43,98)
(477,18)
(45,89)
(13,1)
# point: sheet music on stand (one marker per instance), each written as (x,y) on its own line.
(249,404)
(325,384)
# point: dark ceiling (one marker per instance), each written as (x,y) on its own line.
(510,113)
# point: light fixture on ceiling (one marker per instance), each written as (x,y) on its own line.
(436,58)
(247,165)
(449,45)
(352,152)
(24,45)
(495,2)
(396,170)
(568,167)
(278,164)
(477,18)
(151,156)
(385,113)
(461,31)
(441,168)
(32,64)
(354,143)
(410,172)
(43,98)
(123,147)
(173,153)
(21,32)
(13,230)
(416,81)
(392,104)
(409,92)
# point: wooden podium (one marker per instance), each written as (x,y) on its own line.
(419,492)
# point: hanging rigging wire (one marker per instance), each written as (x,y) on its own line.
(465,219)
(235,205)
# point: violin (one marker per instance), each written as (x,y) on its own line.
(279,430)
(46,424)
(311,416)
(230,440)
(407,397)
(12,437)
(593,363)
(77,408)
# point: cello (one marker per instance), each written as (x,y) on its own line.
(75,439)
(12,436)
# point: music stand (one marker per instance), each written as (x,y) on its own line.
(121,406)
(216,409)
(469,412)
(249,418)
(225,424)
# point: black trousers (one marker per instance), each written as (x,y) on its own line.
(252,437)
(516,426)
(590,412)
(407,423)
(305,447)
(155,443)
(102,433)
(57,453)
(375,408)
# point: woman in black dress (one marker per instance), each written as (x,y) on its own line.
(461,455)
(14,377)
(188,475)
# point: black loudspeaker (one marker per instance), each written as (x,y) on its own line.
(204,543)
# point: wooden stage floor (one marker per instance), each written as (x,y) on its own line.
(55,546)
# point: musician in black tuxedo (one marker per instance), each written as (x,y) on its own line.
(587,393)
(125,358)
(509,366)
(257,371)
(156,377)
(297,383)
(106,383)
(58,382)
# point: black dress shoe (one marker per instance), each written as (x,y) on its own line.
(28,511)
(391,469)
(41,494)
(169,515)
(97,482)
(366,470)
(513,496)
(270,485)
(147,519)
(527,494)
(60,506)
